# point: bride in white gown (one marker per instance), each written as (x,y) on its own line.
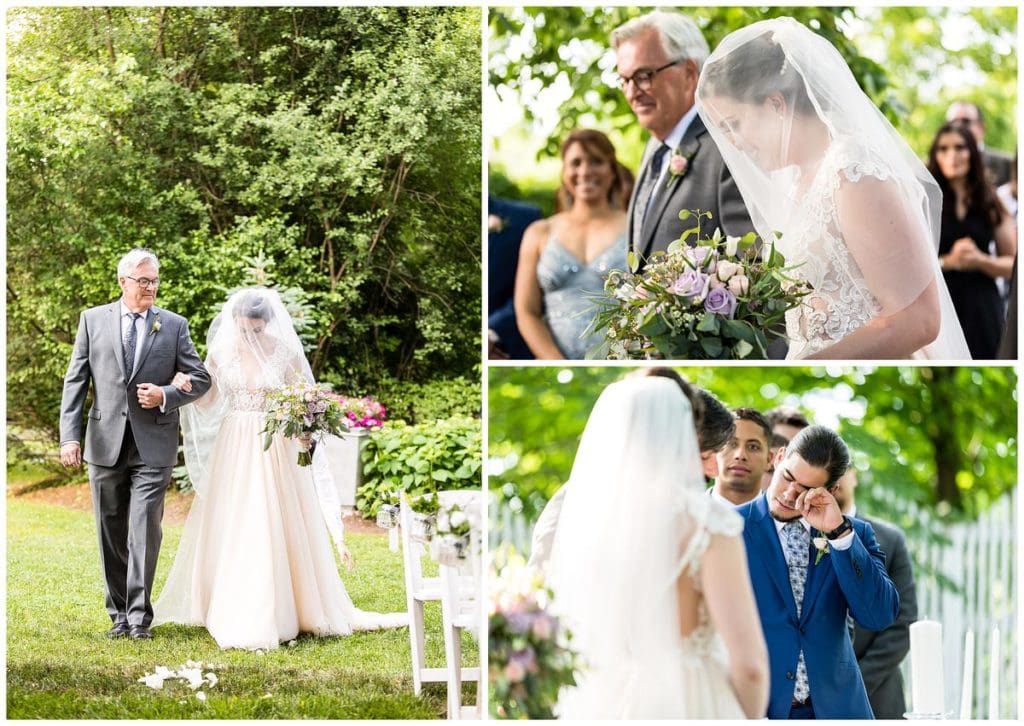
(858,212)
(650,574)
(255,564)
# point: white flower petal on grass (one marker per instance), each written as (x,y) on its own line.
(194,677)
(201,696)
(153,680)
(212,679)
(292,643)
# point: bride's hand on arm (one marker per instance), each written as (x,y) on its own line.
(182,381)
(733,612)
(897,258)
(528,299)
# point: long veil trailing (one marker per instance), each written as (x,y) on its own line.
(272,355)
(898,206)
(633,518)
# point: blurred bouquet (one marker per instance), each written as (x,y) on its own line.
(530,659)
(451,542)
(717,299)
(302,409)
(362,413)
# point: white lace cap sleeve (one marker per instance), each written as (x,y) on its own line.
(707,517)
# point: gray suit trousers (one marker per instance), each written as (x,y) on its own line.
(128,502)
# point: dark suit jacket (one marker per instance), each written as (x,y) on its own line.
(502,260)
(851,580)
(999,165)
(879,653)
(707,185)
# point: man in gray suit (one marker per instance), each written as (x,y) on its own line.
(880,653)
(130,350)
(658,58)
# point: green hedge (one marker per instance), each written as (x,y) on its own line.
(420,459)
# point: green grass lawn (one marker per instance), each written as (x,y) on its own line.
(60,665)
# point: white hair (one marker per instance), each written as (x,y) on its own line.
(135,258)
(680,36)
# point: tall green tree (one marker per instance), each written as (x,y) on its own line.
(342,144)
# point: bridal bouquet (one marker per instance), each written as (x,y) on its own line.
(299,409)
(714,298)
(529,655)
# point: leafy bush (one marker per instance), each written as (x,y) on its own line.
(423,403)
(419,459)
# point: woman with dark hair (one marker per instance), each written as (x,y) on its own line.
(972,216)
(565,258)
(831,185)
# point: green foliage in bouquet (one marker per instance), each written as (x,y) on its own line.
(302,408)
(707,298)
(529,655)
(420,459)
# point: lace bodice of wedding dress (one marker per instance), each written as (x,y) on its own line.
(841,301)
(246,384)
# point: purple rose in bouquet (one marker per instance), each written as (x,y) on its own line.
(720,302)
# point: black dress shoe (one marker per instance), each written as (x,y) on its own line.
(139,632)
(120,630)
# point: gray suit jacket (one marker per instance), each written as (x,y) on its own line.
(879,654)
(707,185)
(98,356)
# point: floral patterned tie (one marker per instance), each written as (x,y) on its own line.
(129,345)
(796,541)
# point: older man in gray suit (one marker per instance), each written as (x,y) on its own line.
(659,57)
(130,350)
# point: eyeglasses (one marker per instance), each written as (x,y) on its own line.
(145,281)
(644,77)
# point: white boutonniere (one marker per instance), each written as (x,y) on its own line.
(156,325)
(496,224)
(820,544)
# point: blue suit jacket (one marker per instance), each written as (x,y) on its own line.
(853,579)
(502,260)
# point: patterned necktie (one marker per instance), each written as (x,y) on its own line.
(129,344)
(643,195)
(796,541)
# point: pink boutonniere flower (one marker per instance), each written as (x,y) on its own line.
(678,165)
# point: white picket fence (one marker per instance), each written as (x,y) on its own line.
(978,561)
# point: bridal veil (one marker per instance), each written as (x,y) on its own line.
(635,517)
(897,206)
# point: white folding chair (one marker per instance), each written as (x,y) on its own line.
(418,590)
(461,610)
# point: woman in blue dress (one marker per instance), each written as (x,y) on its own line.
(565,258)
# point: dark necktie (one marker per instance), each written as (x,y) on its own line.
(644,194)
(129,345)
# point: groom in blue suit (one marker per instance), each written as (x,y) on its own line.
(809,566)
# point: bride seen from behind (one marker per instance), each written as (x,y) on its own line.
(857,211)
(255,564)
(645,568)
